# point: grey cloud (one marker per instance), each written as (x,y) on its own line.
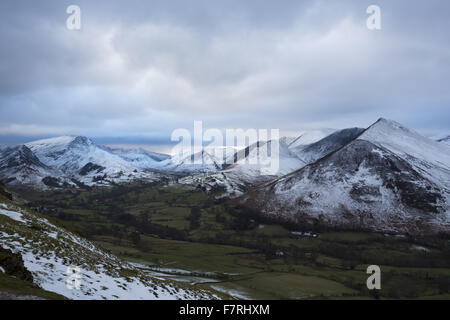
(147,67)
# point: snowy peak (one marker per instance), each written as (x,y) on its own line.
(78,157)
(58,143)
(390,126)
(388,178)
(81,142)
(200,162)
(53,149)
(407,143)
(71,153)
(138,157)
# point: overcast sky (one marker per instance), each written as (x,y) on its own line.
(145,68)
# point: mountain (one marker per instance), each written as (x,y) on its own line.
(254,161)
(72,161)
(70,154)
(44,255)
(247,167)
(139,157)
(445,140)
(20,165)
(309,137)
(200,162)
(388,179)
(80,159)
(313,152)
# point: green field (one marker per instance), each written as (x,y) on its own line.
(246,255)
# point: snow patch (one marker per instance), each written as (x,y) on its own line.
(13,215)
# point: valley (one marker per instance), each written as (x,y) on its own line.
(180,233)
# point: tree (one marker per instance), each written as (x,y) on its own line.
(194,218)
(135,238)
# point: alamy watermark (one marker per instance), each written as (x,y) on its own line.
(374,20)
(259,147)
(73,22)
(374,280)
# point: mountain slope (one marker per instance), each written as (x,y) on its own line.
(199,162)
(70,154)
(247,167)
(81,159)
(139,157)
(49,250)
(19,165)
(309,137)
(425,155)
(313,152)
(445,140)
(388,179)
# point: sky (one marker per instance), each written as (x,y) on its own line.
(137,70)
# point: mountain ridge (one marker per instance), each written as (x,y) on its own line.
(364,185)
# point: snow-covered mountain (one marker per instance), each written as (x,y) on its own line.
(200,162)
(64,263)
(70,160)
(309,137)
(314,151)
(65,160)
(139,157)
(248,167)
(389,178)
(19,165)
(71,154)
(245,168)
(445,140)
(252,161)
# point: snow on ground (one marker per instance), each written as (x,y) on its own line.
(17,216)
(49,252)
(70,155)
(428,156)
(232,293)
(420,248)
(311,136)
(353,186)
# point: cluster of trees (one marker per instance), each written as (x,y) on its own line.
(142,225)
(194,218)
(360,253)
